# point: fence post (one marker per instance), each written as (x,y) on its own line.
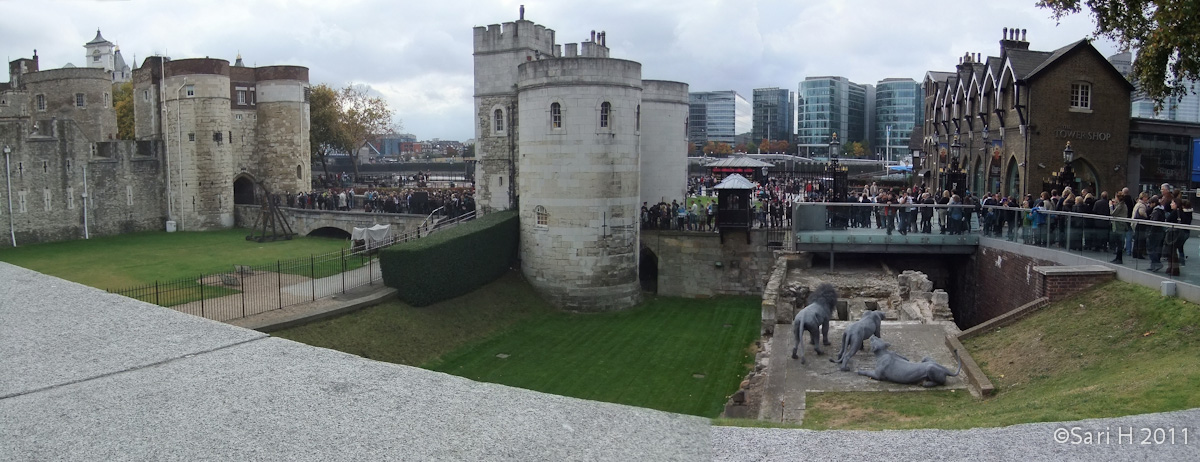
(243,290)
(202,296)
(156,292)
(342,252)
(312,275)
(279,282)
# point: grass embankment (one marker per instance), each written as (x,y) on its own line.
(1117,349)
(125,260)
(671,354)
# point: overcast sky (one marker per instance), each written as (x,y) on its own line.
(417,54)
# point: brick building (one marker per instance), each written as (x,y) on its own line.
(1013,115)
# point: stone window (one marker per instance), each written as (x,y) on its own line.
(128,194)
(45,166)
(41,102)
(498,120)
(46,198)
(106,99)
(237,117)
(299,173)
(605,111)
(191,137)
(145,95)
(241,97)
(638,118)
(543,217)
(21,201)
(555,115)
(71,198)
(1081,95)
(217,137)
(68,165)
(80,100)
(3,102)
(189,90)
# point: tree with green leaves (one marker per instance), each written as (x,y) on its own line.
(343,120)
(325,134)
(123,104)
(1165,35)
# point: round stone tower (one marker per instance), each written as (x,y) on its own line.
(282,130)
(81,94)
(579,192)
(664,116)
(196,94)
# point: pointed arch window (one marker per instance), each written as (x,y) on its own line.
(605,112)
(555,115)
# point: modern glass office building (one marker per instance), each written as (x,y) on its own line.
(828,105)
(717,116)
(774,115)
(897,111)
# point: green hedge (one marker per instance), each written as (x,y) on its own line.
(452,262)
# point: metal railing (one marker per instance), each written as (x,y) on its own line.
(1149,245)
(248,290)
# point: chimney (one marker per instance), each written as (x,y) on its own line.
(1014,39)
(522,12)
(602,36)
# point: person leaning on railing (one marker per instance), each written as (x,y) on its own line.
(1141,211)
(1118,209)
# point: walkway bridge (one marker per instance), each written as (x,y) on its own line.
(306,221)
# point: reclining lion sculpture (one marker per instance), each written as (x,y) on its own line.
(892,367)
(814,318)
(857,333)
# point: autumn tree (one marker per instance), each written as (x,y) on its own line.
(1163,33)
(123,104)
(325,133)
(717,148)
(345,119)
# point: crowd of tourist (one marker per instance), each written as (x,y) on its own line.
(450,202)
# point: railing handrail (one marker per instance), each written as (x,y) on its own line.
(1002,208)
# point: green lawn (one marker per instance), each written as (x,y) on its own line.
(141,258)
(1115,350)
(677,355)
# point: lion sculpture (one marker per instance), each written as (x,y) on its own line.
(892,367)
(857,333)
(814,318)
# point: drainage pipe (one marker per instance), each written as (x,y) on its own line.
(12,228)
(86,235)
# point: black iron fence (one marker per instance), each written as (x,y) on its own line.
(247,290)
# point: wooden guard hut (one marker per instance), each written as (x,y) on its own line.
(755,170)
(733,205)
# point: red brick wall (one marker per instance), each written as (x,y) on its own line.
(1058,287)
(997,282)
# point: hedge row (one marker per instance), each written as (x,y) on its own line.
(452,262)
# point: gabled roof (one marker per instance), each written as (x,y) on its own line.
(739,161)
(99,40)
(1023,62)
(735,181)
(1083,44)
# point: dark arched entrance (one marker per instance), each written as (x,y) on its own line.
(648,270)
(330,232)
(243,190)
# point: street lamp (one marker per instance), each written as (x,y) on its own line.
(955,178)
(916,163)
(1067,176)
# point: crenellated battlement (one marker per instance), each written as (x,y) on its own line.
(521,34)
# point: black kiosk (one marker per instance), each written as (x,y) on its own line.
(733,205)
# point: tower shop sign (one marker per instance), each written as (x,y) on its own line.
(1082,135)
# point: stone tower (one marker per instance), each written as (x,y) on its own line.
(663,126)
(499,49)
(579,179)
(225,128)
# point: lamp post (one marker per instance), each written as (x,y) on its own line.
(836,171)
(1067,176)
(955,178)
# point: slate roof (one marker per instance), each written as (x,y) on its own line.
(735,181)
(99,40)
(1024,61)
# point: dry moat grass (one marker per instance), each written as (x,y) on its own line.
(1117,349)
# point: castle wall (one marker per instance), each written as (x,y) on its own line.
(581,253)
(49,175)
(664,115)
(282,132)
(498,50)
(60,87)
(201,124)
(14,103)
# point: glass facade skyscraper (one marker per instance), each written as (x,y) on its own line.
(828,105)
(774,115)
(897,110)
(717,116)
